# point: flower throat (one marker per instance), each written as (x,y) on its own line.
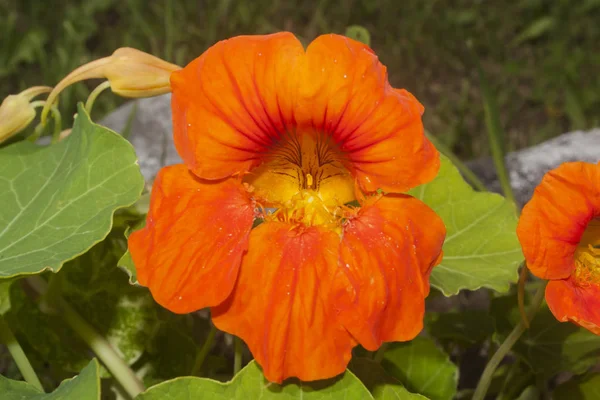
(587,256)
(304,177)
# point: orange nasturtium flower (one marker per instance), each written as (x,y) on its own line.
(559,231)
(271,131)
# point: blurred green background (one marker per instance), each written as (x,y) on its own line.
(542,58)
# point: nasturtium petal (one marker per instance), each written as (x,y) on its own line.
(481,247)
(388,250)
(85,386)
(422,368)
(58,201)
(189,252)
(288,317)
(249,383)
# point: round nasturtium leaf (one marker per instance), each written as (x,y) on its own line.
(249,383)
(377,380)
(481,247)
(422,368)
(58,201)
(85,386)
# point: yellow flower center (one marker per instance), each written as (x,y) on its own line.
(304,177)
(587,255)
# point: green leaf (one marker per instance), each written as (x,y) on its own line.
(46,335)
(5,295)
(359,33)
(467,327)
(85,386)
(548,346)
(423,368)
(250,384)
(172,349)
(381,385)
(509,381)
(530,393)
(57,201)
(587,388)
(481,247)
(125,315)
(126,264)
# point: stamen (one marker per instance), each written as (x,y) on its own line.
(304,177)
(309,181)
(587,262)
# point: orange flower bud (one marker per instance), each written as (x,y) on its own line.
(131,73)
(17,111)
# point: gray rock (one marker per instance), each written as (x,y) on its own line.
(151,136)
(527,167)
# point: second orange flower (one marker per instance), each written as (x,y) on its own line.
(559,231)
(317,147)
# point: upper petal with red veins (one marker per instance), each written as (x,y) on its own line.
(553,222)
(570,301)
(388,251)
(281,305)
(234,101)
(190,250)
(345,92)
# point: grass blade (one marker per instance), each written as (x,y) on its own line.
(494,130)
(462,167)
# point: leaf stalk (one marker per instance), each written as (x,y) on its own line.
(511,339)
(99,345)
(17,353)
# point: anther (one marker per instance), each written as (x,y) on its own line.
(309,180)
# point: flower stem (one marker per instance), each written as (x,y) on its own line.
(237,357)
(99,345)
(57,124)
(521,295)
(17,353)
(490,368)
(201,356)
(95,93)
